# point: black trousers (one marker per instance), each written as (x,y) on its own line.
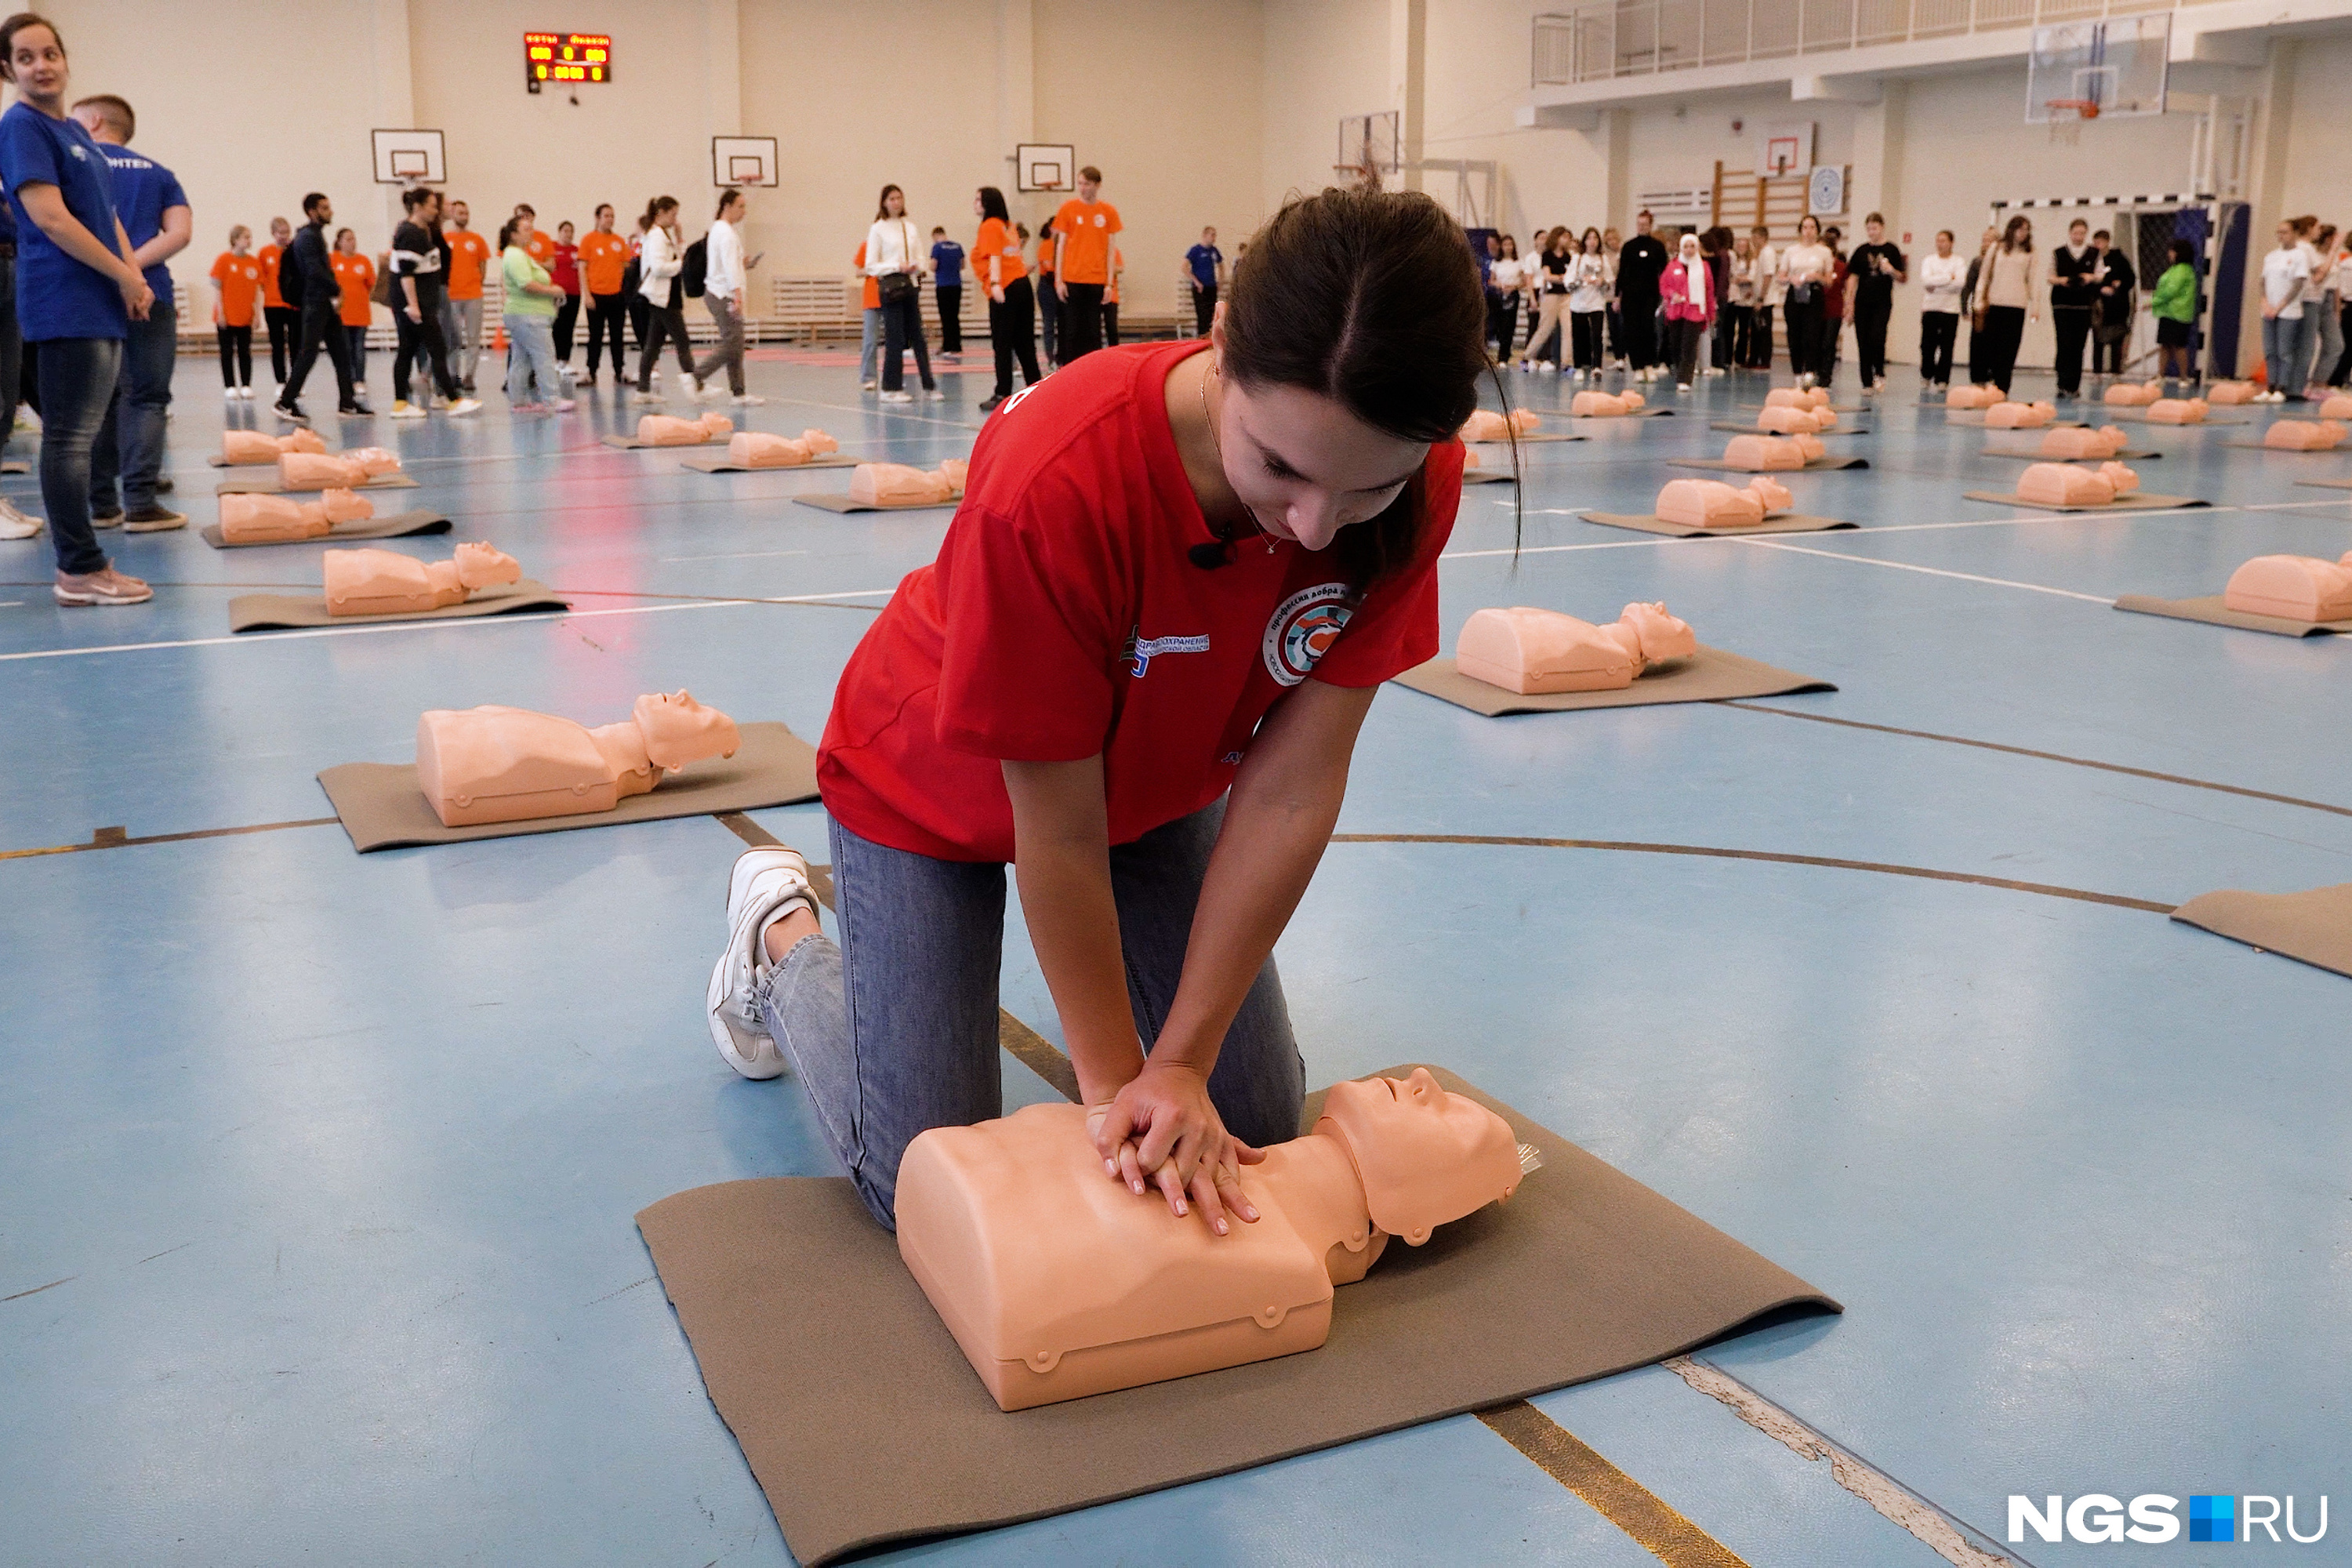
(605,314)
(1759,339)
(1616,331)
(1502,321)
(1204,310)
(2108,352)
(641,321)
(1682,340)
(902,328)
(285,323)
(1012,333)
(1641,347)
(951,302)
(237,356)
(1937,329)
(2004,329)
(663,320)
(1584,338)
(1110,324)
(567,315)
(1049,317)
(1870,319)
(421,344)
(1726,330)
(1742,320)
(320,329)
(1805,339)
(1082,322)
(2072,325)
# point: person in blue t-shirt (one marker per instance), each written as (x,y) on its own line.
(946,273)
(157,218)
(1204,269)
(78,291)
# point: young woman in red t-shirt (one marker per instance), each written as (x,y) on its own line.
(1136,672)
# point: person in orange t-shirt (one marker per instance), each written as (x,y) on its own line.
(355,281)
(236,291)
(1082,237)
(283,320)
(462,322)
(1012,305)
(870,344)
(604,269)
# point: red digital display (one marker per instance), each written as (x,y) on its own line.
(567,57)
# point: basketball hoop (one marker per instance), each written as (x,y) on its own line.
(2067,116)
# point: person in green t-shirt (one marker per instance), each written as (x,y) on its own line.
(2175,308)
(531,296)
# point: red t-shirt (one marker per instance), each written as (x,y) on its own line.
(1063,618)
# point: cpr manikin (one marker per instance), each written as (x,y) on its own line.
(2293,587)
(510,764)
(1711,503)
(758,449)
(1603,404)
(274,519)
(2338,406)
(894,484)
(1485,424)
(1534,652)
(2020,415)
(1767,454)
(2075,443)
(337,471)
(243,448)
(384,582)
(2135,395)
(2176,411)
(2063,484)
(2303,436)
(1059,1282)
(1786,421)
(667,430)
(2229,393)
(1983,396)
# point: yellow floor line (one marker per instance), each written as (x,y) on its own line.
(1614,1495)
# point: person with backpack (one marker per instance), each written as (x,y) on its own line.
(659,264)
(897,268)
(715,272)
(946,282)
(307,279)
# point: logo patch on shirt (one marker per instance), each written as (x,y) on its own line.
(1141,650)
(1302,630)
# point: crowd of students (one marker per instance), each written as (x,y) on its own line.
(1635,307)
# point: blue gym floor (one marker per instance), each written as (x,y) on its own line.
(316,1171)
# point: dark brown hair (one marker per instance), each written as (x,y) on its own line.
(882,202)
(16,25)
(729,194)
(2018,226)
(1370,298)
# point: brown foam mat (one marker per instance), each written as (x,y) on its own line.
(2139,500)
(263,482)
(2124,416)
(1834,407)
(1637,413)
(2214,612)
(2314,927)
(399,525)
(717,463)
(381,807)
(631,444)
(2029,455)
(1731,429)
(1815,466)
(281,612)
(864,1424)
(1539,435)
(1488,477)
(2328,484)
(1976,416)
(1710,676)
(13,467)
(2343,451)
(843,503)
(1788,522)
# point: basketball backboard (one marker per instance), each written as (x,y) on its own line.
(2118,66)
(409,158)
(1044,166)
(742,160)
(1785,148)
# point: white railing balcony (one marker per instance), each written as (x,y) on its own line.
(1608,39)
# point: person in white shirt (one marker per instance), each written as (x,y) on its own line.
(1590,277)
(1506,280)
(723,289)
(1940,280)
(2339,292)
(896,266)
(2286,280)
(659,261)
(1771,283)
(2323,303)
(1807,268)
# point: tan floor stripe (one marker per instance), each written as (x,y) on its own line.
(1614,1495)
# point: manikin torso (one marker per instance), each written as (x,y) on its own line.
(1058,1282)
(510,764)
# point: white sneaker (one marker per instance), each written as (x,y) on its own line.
(761,889)
(1682,388)
(897,397)
(865,387)
(747,400)
(646,399)
(17,524)
(407,411)
(463,405)
(28,420)
(933,395)
(693,387)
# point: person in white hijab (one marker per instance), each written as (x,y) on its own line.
(1688,289)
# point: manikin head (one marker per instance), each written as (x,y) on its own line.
(1089,182)
(481,566)
(1426,1157)
(1352,343)
(678,729)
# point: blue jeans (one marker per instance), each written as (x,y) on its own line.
(77,380)
(2285,350)
(534,358)
(131,441)
(895,1030)
(868,344)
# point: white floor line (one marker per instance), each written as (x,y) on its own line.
(262,639)
(1935,1529)
(752,555)
(1931,571)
